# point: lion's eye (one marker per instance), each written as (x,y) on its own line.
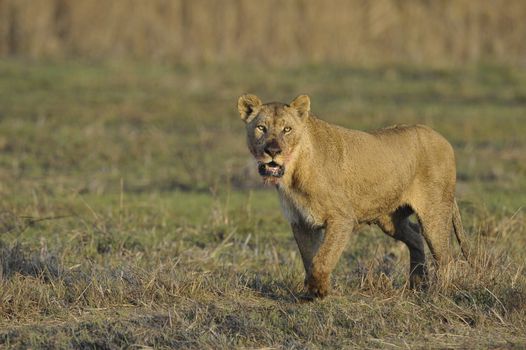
(287,129)
(261,128)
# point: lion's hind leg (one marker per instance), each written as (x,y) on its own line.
(401,228)
(407,232)
(437,226)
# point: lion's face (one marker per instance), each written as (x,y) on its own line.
(274,130)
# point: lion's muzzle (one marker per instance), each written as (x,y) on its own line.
(271,169)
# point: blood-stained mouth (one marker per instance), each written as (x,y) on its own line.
(271,169)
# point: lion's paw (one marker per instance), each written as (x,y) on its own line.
(317,287)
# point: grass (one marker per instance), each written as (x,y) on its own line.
(132,216)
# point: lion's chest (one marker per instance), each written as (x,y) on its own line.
(296,210)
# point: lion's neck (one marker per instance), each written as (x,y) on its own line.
(298,164)
(297,195)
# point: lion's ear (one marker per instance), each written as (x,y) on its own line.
(246,105)
(301,104)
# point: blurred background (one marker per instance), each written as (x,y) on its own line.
(272,31)
(102,97)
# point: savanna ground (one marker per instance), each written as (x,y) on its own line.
(131,214)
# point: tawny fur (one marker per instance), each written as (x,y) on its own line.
(336,179)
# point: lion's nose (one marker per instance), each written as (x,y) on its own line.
(272,148)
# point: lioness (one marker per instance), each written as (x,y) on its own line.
(331,179)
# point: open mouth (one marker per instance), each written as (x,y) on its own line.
(271,169)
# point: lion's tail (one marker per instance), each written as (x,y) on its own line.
(459,231)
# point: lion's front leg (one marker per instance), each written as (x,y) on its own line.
(336,235)
(308,239)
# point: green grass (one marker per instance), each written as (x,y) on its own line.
(131,213)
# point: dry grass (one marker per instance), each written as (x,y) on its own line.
(430,32)
(234,292)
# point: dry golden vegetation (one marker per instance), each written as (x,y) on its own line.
(131,214)
(352,31)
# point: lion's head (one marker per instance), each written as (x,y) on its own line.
(274,130)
